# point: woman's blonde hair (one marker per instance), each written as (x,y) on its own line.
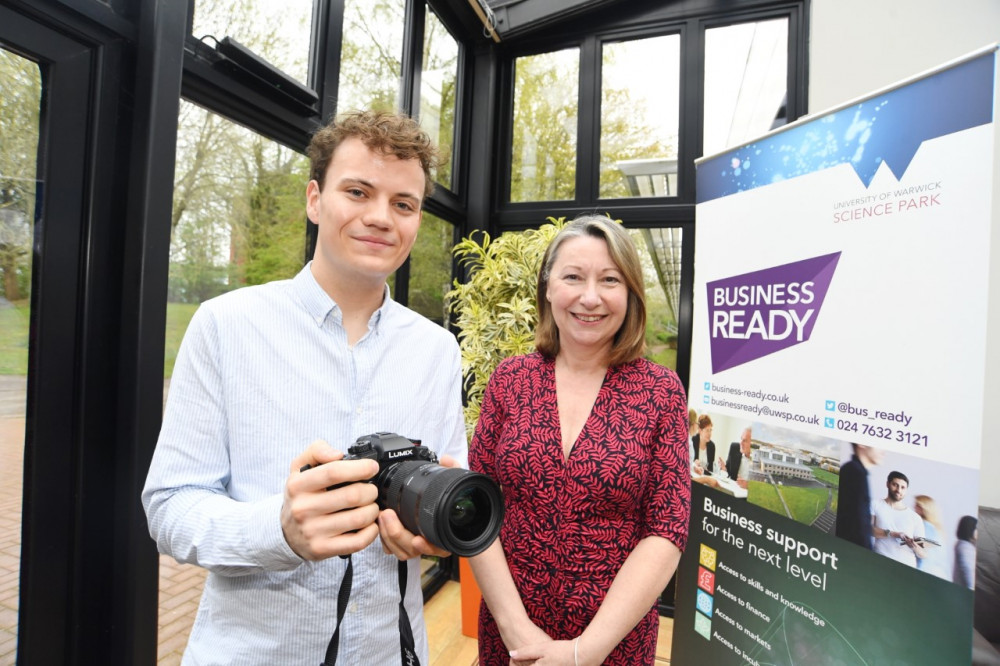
(929,509)
(630,340)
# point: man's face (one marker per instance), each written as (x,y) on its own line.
(368,213)
(745,442)
(897,489)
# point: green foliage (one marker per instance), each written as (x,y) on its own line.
(370,66)
(543,163)
(495,307)
(273,224)
(239,208)
(19,117)
(430,268)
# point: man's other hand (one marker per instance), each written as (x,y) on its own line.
(399,541)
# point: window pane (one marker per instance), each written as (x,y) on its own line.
(279,32)
(543,155)
(19,118)
(639,117)
(746,72)
(238,210)
(437,92)
(371,55)
(430,267)
(660,252)
(238,219)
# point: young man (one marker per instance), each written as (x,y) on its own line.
(275,377)
(895,525)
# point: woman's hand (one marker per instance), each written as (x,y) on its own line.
(549,653)
(525,633)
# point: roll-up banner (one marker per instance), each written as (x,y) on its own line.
(840,308)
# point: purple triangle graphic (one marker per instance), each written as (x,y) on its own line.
(763,312)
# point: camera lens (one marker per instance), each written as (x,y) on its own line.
(454,509)
(464,518)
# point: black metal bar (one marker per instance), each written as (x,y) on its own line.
(50,465)
(146,241)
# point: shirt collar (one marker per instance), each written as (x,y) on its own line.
(319,305)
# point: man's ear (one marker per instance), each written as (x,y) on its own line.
(312,201)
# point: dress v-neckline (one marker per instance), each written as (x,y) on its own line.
(567,454)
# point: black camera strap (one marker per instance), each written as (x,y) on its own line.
(342,596)
(408,654)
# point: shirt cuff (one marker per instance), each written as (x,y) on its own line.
(266,540)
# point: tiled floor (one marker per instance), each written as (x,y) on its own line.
(180,585)
(11,447)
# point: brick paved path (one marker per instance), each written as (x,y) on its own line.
(180,585)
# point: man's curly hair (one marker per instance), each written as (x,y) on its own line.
(390,133)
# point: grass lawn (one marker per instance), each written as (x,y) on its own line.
(14,339)
(805,503)
(827,477)
(14,336)
(178,316)
(764,495)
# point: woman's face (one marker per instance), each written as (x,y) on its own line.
(705,434)
(587,293)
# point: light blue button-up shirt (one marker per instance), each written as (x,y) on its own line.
(262,372)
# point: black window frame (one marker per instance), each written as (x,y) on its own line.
(641,20)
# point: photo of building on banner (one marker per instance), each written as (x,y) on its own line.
(835,459)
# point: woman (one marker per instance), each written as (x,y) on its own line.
(589,442)
(933,561)
(703,445)
(964,572)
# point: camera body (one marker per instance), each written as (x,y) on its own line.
(388,449)
(454,509)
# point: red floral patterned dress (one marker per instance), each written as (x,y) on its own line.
(570,524)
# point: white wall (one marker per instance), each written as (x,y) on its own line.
(859,46)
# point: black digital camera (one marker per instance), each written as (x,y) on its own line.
(454,509)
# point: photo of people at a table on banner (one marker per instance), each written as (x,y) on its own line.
(835,451)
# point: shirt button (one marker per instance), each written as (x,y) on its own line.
(357,411)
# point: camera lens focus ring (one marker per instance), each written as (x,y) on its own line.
(454,509)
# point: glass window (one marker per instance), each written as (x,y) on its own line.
(238,210)
(660,252)
(438,81)
(543,151)
(430,268)
(238,219)
(279,32)
(19,127)
(371,55)
(746,73)
(639,117)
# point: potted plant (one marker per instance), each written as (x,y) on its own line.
(495,308)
